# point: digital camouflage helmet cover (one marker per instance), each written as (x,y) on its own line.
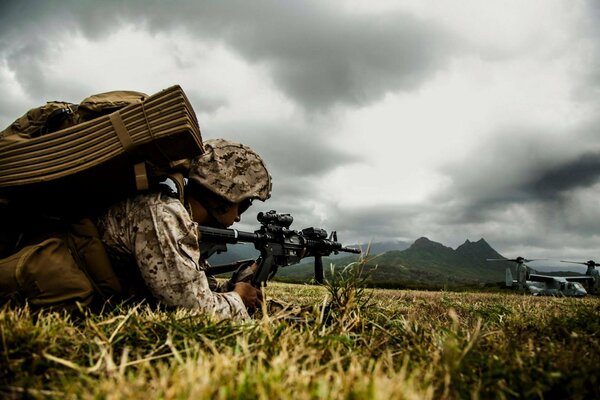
(231,170)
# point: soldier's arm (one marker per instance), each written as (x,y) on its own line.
(167,252)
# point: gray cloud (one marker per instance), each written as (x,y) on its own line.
(583,171)
(10,106)
(318,55)
(291,150)
(353,224)
(324,58)
(300,155)
(522,165)
(204,104)
(523,191)
(297,158)
(28,37)
(530,192)
(378,223)
(589,31)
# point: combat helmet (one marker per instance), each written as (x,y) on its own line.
(231,170)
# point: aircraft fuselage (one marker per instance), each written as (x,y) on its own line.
(556,288)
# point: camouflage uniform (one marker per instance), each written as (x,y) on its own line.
(156,233)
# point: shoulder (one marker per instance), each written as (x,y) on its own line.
(148,206)
(158,200)
(160,208)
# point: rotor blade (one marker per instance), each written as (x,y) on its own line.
(574,262)
(516,260)
(588,263)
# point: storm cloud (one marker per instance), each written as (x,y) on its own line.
(318,55)
(581,172)
(383,121)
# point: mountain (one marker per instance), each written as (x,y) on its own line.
(477,251)
(424,262)
(382,247)
(465,264)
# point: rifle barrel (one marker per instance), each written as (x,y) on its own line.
(350,250)
(232,236)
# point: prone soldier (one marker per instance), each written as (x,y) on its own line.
(153,240)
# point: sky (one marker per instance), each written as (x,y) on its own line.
(383,120)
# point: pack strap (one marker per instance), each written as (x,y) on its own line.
(179,181)
(121,131)
(139,170)
(141,177)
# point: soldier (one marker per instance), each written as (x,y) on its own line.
(153,241)
(522,275)
(595,274)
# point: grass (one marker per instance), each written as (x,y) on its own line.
(366,344)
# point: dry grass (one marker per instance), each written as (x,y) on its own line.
(373,344)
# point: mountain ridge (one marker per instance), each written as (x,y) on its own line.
(424,261)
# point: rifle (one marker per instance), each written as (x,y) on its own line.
(279,246)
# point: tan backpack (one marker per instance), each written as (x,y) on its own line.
(109,146)
(57,115)
(52,179)
(59,269)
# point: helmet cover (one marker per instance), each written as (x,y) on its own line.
(231,170)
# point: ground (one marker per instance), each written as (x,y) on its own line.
(366,343)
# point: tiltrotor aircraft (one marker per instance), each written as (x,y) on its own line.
(543,285)
(592,272)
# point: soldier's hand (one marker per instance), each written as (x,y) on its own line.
(244,273)
(251,296)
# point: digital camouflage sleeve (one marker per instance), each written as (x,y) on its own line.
(162,238)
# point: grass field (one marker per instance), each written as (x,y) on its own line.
(369,344)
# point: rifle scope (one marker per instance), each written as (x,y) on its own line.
(273,218)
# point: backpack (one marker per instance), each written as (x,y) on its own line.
(109,146)
(56,115)
(52,183)
(60,268)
